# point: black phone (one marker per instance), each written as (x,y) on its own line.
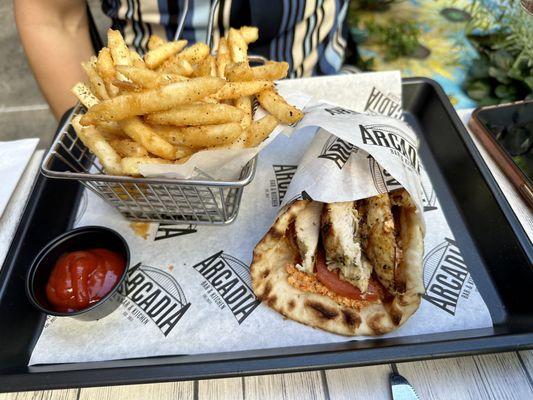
(506,131)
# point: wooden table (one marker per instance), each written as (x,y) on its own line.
(491,376)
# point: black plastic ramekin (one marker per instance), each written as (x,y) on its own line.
(87,237)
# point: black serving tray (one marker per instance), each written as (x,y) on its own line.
(494,245)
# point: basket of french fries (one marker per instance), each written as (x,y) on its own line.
(164,108)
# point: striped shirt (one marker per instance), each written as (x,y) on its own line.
(309,34)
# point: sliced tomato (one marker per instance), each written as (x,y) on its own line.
(333,282)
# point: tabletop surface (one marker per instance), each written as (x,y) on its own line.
(490,376)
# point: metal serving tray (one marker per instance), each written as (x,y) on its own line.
(495,246)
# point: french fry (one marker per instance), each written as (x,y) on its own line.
(197,114)
(146,137)
(177,66)
(245,105)
(260,129)
(96,143)
(128,148)
(155,41)
(84,95)
(239,72)
(126,85)
(209,135)
(148,79)
(194,54)
(270,71)
(276,105)
(223,57)
(184,151)
(95,81)
(111,131)
(130,165)
(203,68)
(234,90)
(249,33)
(161,99)
(106,69)
(154,58)
(119,51)
(237,46)
(136,59)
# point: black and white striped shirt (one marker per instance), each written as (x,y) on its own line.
(309,34)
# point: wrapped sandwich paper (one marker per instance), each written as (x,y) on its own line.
(188,288)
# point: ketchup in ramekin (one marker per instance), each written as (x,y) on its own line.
(81,278)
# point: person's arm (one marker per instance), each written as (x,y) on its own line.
(55,37)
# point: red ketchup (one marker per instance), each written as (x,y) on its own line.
(81,278)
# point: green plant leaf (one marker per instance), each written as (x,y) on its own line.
(529,81)
(499,74)
(505,91)
(478,90)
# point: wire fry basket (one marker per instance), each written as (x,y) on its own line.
(203,202)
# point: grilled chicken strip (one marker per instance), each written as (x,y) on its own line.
(307,231)
(379,240)
(340,236)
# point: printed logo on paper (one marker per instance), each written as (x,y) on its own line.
(339,111)
(167,231)
(380,103)
(227,284)
(278,186)
(337,150)
(383,181)
(387,136)
(153,295)
(446,276)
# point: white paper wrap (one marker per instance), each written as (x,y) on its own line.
(189,289)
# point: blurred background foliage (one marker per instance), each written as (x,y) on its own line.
(481,52)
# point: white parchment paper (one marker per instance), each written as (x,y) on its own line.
(187,282)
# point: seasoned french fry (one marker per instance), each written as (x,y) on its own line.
(249,33)
(234,90)
(111,131)
(203,68)
(144,135)
(96,143)
(245,104)
(148,79)
(84,95)
(119,51)
(161,99)
(130,165)
(239,72)
(126,85)
(176,66)
(155,41)
(260,129)
(223,57)
(128,148)
(197,114)
(237,46)
(95,81)
(106,69)
(171,134)
(136,59)
(183,151)
(209,135)
(271,71)
(154,58)
(194,54)
(276,105)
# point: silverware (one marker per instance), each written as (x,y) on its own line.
(401,388)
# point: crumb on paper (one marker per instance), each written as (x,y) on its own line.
(170,267)
(140,229)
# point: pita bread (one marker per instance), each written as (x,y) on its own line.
(270,280)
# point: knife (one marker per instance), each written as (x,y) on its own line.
(401,388)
